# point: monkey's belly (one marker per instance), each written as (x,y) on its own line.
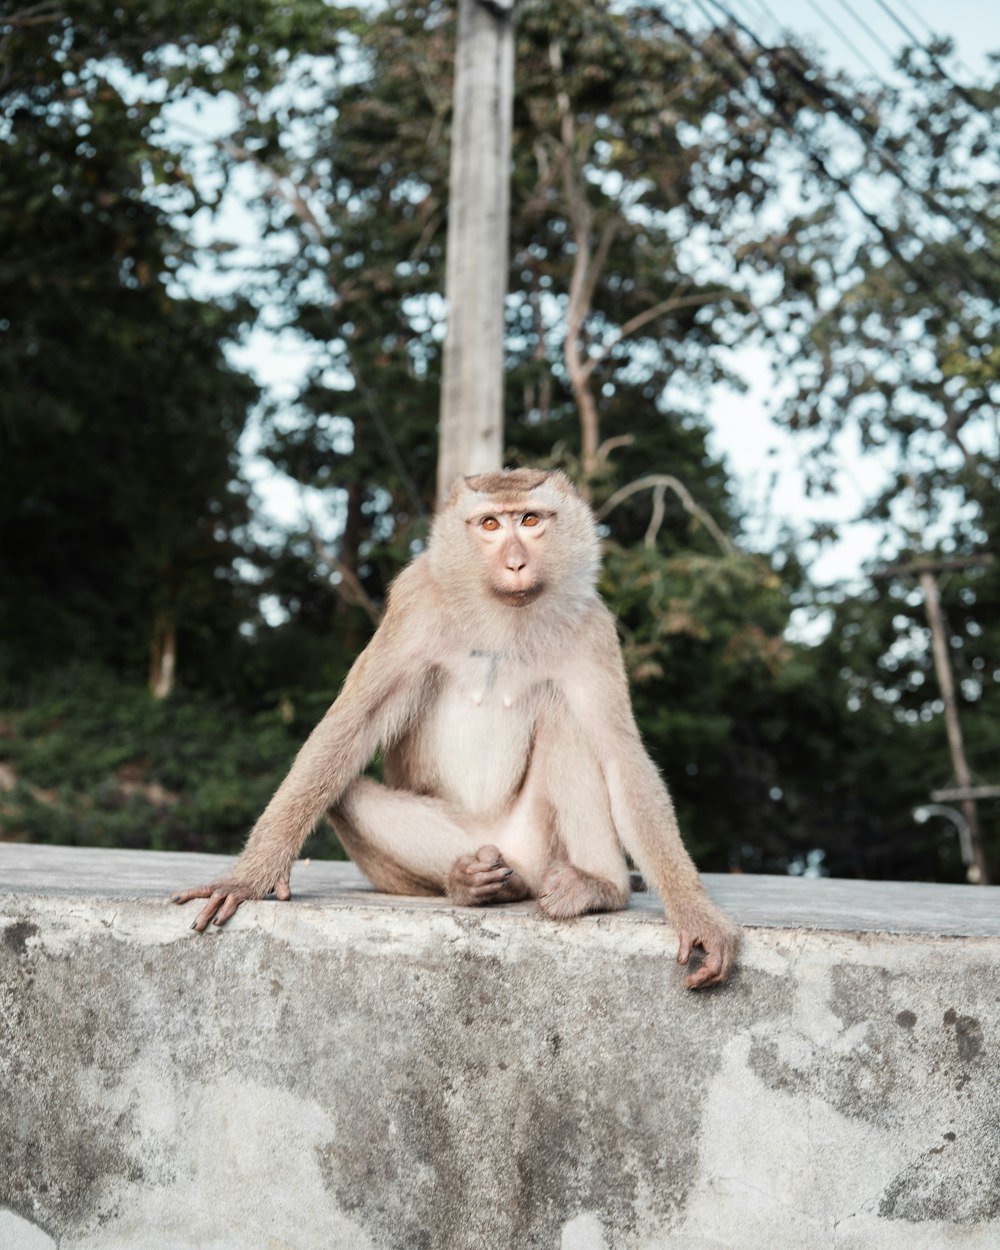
(472,755)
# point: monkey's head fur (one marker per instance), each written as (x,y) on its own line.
(519,540)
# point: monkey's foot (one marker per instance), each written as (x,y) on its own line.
(567,891)
(483,878)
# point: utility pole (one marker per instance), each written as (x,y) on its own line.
(965,792)
(471,431)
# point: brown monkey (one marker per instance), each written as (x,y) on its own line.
(513,767)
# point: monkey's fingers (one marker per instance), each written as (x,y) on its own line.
(229,906)
(484,874)
(717,966)
(711,972)
(199,891)
(223,903)
(205,916)
(283,891)
(488,884)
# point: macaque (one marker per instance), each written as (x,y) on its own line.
(513,768)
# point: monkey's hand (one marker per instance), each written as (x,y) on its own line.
(719,938)
(224,897)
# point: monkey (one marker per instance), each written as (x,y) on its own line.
(512,765)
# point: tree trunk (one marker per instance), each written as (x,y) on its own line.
(471,435)
(163,656)
(351,537)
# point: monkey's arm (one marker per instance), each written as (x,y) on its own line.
(381,694)
(642,809)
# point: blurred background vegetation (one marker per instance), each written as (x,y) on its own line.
(166,645)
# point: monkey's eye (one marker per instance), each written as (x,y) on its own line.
(531,519)
(490,523)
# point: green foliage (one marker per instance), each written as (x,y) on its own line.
(96,761)
(643,175)
(893,338)
(119,416)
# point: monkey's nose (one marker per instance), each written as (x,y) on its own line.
(515,560)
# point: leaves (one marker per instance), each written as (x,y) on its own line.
(672,197)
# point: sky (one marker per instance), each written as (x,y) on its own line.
(766,465)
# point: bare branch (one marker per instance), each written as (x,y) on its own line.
(665,482)
(915,568)
(609,445)
(284,188)
(596,265)
(37,15)
(670,304)
(656,518)
(349,588)
(434,218)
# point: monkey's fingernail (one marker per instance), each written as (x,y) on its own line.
(508,873)
(194,924)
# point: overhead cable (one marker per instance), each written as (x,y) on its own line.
(962,91)
(845,111)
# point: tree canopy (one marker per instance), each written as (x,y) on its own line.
(180,184)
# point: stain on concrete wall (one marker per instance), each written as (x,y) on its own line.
(369,1078)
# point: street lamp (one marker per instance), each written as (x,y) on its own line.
(922,814)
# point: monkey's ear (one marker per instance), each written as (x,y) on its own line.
(562,481)
(458,484)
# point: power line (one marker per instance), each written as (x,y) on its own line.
(822,90)
(875,38)
(839,32)
(825,94)
(923,281)
(966,96)
(913,13)
(933,34)
(766,13)
(778,24)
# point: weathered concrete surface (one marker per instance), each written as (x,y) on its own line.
(352,1071)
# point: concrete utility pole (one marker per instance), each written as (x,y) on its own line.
(965,793)
(471,435)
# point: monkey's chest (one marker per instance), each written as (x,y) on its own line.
(478,736)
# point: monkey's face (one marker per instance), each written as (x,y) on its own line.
(510,537)
(512,543)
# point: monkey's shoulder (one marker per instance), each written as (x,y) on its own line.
(410,585)
(413,604)
(598,628)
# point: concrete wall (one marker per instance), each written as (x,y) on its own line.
(351,1071)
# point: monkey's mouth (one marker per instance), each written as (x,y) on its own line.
(519,598)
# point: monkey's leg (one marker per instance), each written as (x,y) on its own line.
(409,844)
(587,871)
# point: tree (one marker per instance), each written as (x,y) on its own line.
(891,345)
(119,416)
(625,148)
(650,166)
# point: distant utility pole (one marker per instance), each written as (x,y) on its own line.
(965,792)
(471,435)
